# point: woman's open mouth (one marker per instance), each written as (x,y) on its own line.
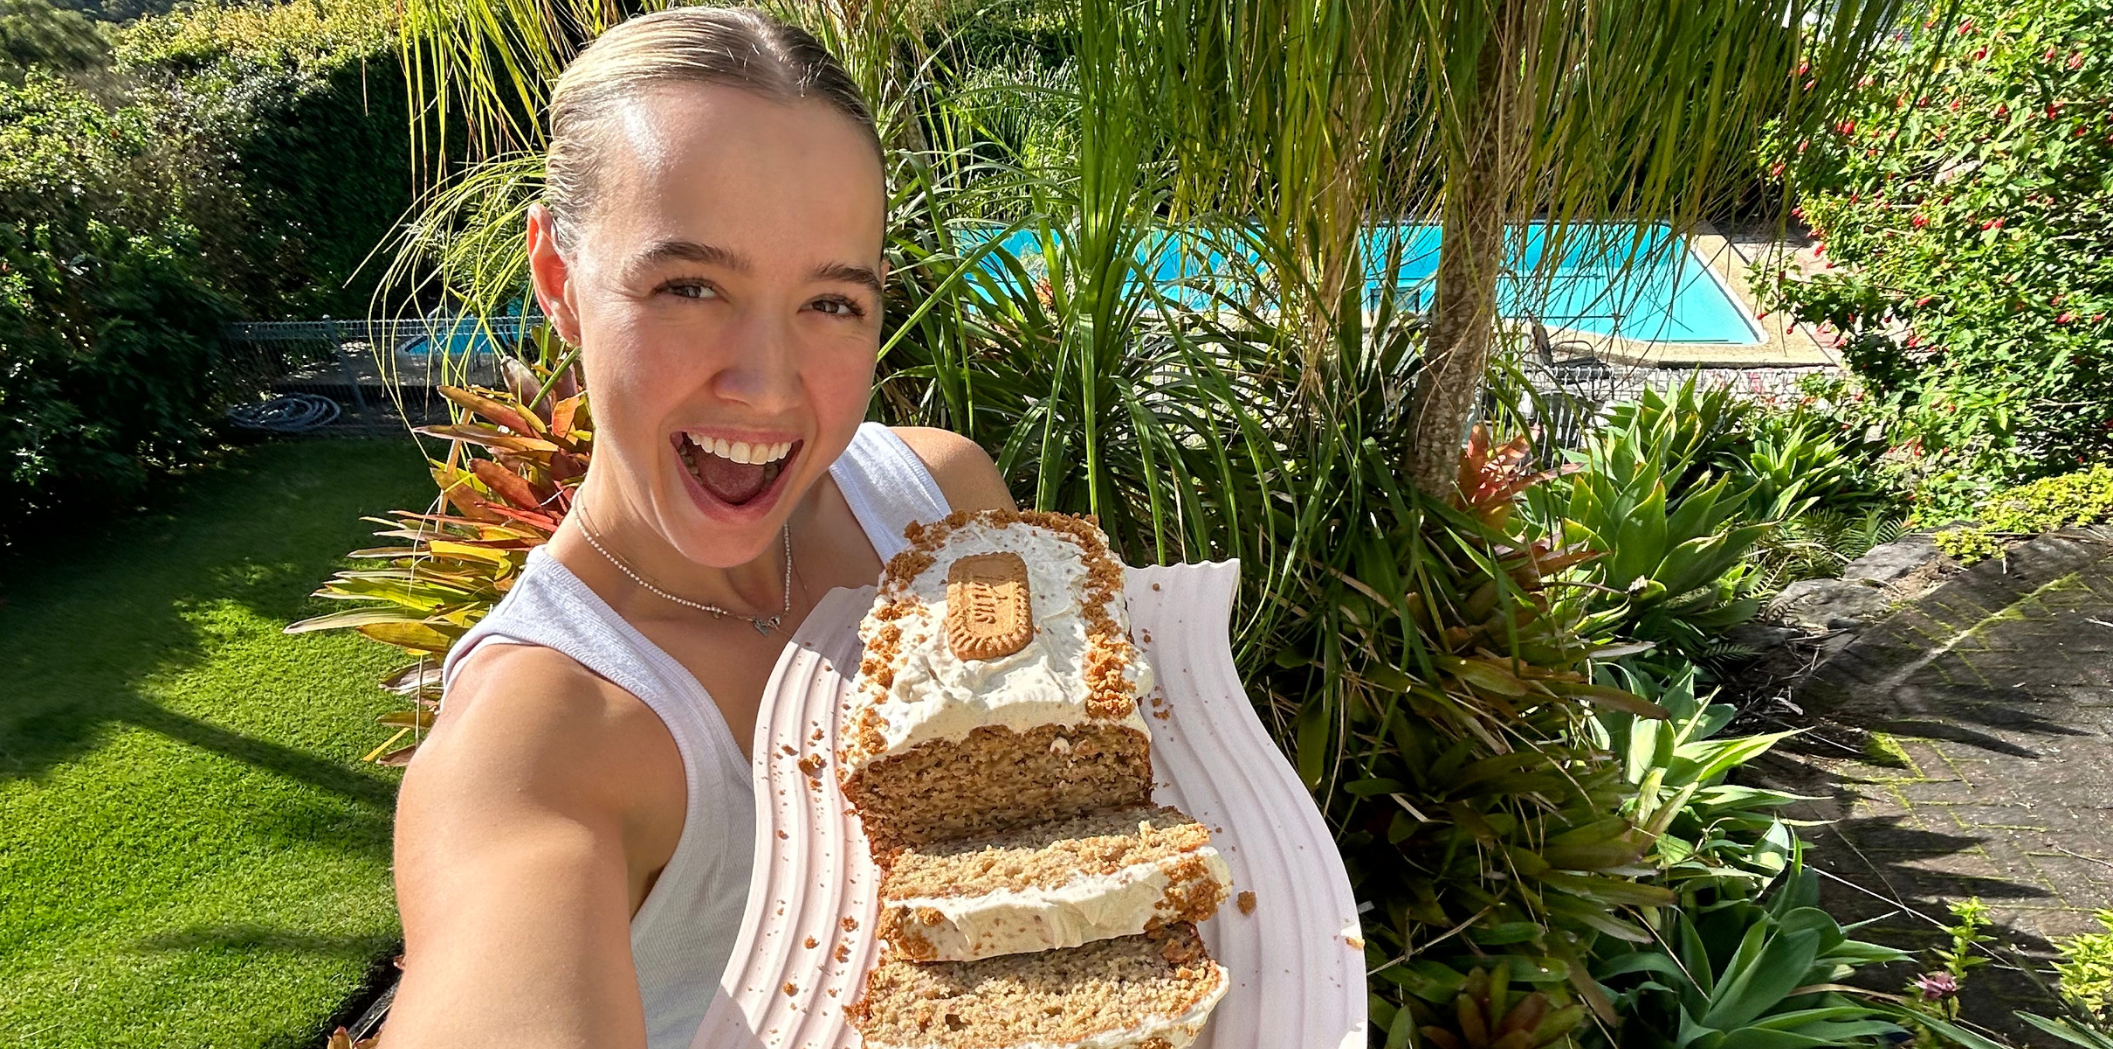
(734,472)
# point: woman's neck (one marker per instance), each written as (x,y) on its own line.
(604,534)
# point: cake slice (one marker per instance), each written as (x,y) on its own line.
(999,687)
(1155,989)
(1052,885)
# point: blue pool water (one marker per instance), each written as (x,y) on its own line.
(1666,294)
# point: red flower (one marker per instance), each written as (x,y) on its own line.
(2076,60)
(2065,318)
(1925,300)
(1966,27)
(1981,54)
(1918,222)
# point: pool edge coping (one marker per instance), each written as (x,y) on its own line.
(1786,345)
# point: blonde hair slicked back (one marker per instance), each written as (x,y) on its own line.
(734,47)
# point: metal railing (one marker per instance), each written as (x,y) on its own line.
(381,372)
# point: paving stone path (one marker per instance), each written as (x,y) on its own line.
(1964,747)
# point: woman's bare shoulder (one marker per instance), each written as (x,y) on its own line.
(961,466)
(526,717)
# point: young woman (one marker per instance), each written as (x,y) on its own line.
(573,841)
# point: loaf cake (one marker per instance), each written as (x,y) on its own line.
(1031,894)
(1052,885)
(1154,989)
(1039,720)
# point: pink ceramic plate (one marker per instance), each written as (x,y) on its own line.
(1297,961)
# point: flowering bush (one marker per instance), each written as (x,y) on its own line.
(1963,206)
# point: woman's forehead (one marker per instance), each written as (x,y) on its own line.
(721,165)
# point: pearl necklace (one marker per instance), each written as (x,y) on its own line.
(763,625)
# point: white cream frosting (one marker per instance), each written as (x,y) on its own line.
(938,696)
(1086,908)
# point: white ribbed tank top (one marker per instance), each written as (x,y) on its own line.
(684,932)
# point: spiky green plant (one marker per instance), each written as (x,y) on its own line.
(536,440)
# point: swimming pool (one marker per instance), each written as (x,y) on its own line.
(1666,295)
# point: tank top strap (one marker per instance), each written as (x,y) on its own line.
(888,487)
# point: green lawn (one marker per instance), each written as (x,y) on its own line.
(190,851)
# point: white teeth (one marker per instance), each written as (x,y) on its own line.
(741,451)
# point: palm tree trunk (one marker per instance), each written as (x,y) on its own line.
(1480,192)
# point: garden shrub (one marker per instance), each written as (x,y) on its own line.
(109,331)
(251,163)
(2083,497)
(36,35)
(291,126)
(1964,205)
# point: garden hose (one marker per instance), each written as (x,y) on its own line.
(286,413)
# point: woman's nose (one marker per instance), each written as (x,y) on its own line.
(759,368)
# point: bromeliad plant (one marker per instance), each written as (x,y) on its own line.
(536,439)
(1441,696)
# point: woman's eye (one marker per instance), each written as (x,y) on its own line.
(690,290)
(839,308)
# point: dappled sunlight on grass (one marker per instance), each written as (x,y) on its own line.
(193,854)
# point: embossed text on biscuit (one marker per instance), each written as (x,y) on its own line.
(988,613)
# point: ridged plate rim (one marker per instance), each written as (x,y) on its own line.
(1296,962)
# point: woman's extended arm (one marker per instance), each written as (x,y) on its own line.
(520,838)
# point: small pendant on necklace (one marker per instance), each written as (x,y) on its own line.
(765,626)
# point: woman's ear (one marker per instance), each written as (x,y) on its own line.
(551,275)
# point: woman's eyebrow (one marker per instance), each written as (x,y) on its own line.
(850,274)
(689,251)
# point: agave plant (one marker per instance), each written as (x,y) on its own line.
(1753,973)
(1708,835)
(1677,570)
(461,558)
